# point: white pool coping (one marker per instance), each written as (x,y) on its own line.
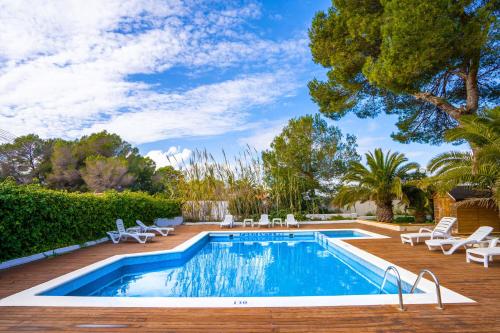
(30,296)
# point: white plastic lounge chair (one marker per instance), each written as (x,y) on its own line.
(153,228)
(455,243)
(228,221)
(483,254)
(290,221)
(264,220)
(441,230)
(123,234)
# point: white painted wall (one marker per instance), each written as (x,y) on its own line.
(369,207)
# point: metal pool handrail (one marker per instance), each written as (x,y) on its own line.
(398,279)
(436,283)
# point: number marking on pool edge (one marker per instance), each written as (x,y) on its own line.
(240,302)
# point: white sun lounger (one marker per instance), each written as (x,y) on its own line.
(483,254)
(123,234)
(290,221)
(153,228)
(228,221)
(264,220)
(455,243)
(441,230)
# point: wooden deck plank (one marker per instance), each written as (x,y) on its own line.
(471,280)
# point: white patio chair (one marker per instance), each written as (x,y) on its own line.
(290,221)
(455,243)
(161,230)
(483,254)
(124,234)
(441,230)
(264,220)
(228,221)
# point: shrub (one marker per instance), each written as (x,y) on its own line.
(404,219)
(33,219)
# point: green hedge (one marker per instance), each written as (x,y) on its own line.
(404,219)
(34,219)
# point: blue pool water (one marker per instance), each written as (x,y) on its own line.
(343,234)
(235,265)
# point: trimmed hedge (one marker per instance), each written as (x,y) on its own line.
(404,219)
(34,219)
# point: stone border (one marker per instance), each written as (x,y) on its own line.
(396,227)
(50,253)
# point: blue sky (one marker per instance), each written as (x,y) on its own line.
(169,76)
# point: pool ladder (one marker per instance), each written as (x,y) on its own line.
(417,281)
(322,239)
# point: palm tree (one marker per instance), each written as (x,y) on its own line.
(478,168)
(381,181)
(418,202)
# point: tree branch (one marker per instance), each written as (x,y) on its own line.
(439,102)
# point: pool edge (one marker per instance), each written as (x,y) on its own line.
(30,297)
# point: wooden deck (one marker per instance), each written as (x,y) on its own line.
(471,280)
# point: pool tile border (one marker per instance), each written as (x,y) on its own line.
(30,296)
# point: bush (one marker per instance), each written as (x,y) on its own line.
(33,219)
(404,219)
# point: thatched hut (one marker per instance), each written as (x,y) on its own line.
(469,216)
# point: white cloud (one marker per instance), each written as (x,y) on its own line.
(174,156)
(65,67)
(206,110)
(263,135)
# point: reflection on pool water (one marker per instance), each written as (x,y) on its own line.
(241,264)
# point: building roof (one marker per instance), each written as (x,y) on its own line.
(464,192)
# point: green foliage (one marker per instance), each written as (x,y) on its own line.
(65,167)
(479,168)
(105,173)
(168,181)
(26,159)
(404,219)
(418,200)
(381,180)
(305,160)
(208,182)
(428,61)
(33,219)
(143,171)
(99,162)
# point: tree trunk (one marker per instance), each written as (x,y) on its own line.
(384,212)
(469,75)
(471,86)
(419,216)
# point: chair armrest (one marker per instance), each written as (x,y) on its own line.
(425,229)
(134,229)
(493,242)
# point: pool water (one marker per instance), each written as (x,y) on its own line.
(343,234)
(235,265)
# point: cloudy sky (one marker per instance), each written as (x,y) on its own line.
(168,76)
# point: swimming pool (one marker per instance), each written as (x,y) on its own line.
(232,269)
(238,265)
